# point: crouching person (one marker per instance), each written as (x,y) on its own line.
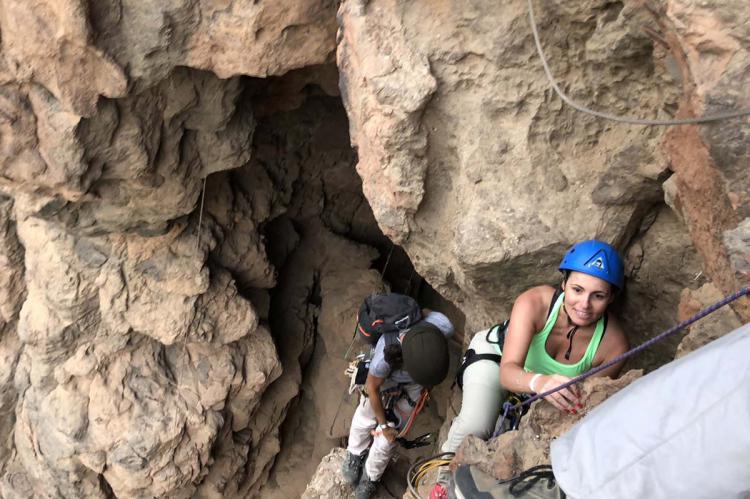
(403,367)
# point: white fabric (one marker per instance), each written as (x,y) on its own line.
(440,321)
(364,422)
(681,431)
(481,400)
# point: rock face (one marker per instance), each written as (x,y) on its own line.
(516,451)
(474,164)
(134,363)
(327,483)
(184,239)
(79,50)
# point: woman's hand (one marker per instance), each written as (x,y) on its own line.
(568,399)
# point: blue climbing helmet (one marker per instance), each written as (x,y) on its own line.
(595,258)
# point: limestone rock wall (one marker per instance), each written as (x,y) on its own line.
(153,341)
(79,50)
(134,362)
(471,161)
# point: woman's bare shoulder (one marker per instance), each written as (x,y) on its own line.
(536,298)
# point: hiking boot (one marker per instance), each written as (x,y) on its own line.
(351,468)
(473,483)
(366,488)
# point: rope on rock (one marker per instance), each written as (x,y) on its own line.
(421,468)
(622,119)
(200,215)
(682,325)
(382,273)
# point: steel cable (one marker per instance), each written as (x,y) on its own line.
(613,117)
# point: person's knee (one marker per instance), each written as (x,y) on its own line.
(478,425)
(381,445)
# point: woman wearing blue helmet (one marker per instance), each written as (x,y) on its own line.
(553,335)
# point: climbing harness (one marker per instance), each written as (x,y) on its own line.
(510,417)
(471,356)
(419,470)
(418,406)
(622,119)
(682,325)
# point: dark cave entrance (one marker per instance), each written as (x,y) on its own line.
(301,145)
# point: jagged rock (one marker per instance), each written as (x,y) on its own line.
(327,483)
(97,325)
(712,184)
(12,290)
(385,85)
(714,326)
(80,50)
(661,265)
(472,163)
(49,43)
(515,451)
(136,163)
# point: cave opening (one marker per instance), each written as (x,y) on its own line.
(314,226)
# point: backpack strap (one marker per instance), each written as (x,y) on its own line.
(501,329)
(390,338)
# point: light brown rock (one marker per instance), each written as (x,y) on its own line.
(327,482)
(515,451)
(501,176)
(713,326)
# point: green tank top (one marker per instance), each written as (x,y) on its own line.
(539,361)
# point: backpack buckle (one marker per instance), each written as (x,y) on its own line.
(402,323)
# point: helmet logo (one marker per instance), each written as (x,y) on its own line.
(595,258)
(598,261)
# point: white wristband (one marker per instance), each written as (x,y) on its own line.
(532,381)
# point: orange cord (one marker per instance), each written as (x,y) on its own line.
(417,409)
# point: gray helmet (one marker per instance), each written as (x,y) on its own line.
(425,354)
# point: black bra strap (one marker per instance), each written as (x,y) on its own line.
(555,296)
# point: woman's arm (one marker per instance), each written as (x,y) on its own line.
(517,340)
(372,388)
(528,307)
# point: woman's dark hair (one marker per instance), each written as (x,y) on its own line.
(612,288)
(394,356)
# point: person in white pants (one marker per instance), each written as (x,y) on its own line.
(365,420)
(483,396)
(554,334)
(417,358)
